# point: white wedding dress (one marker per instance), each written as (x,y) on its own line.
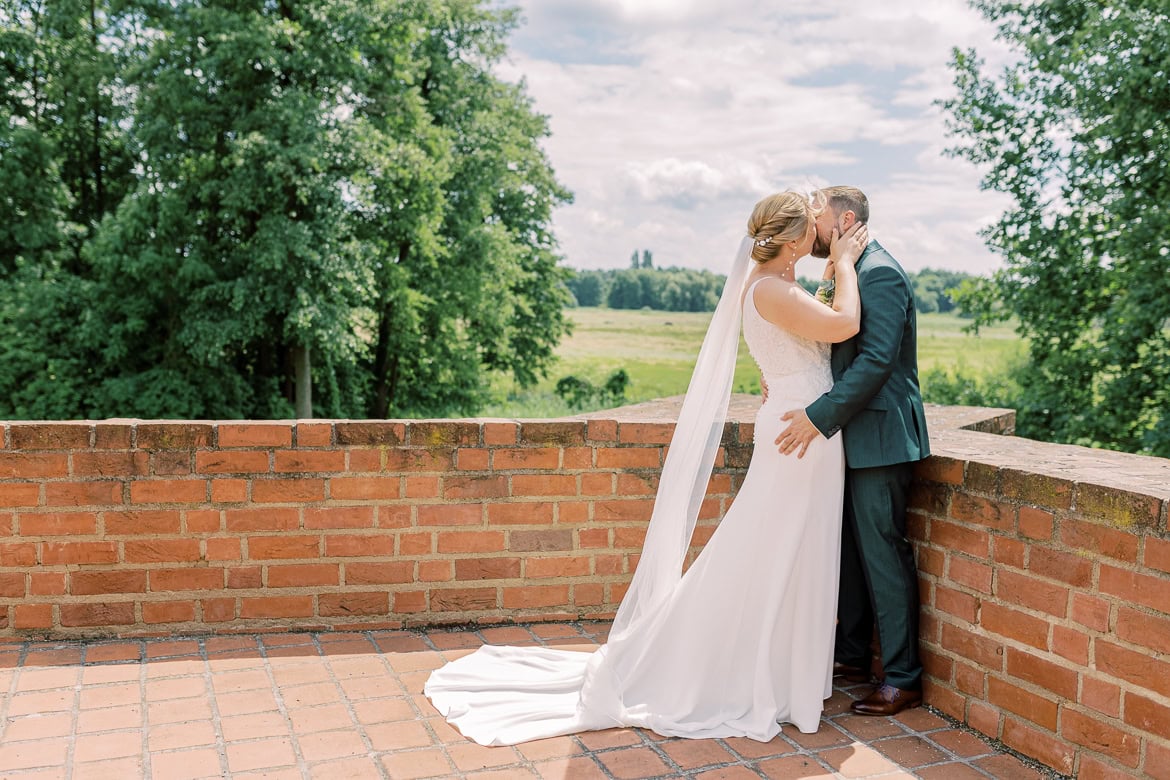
(742,642)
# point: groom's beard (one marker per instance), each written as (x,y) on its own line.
(820,247)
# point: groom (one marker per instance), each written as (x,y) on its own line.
(875,401)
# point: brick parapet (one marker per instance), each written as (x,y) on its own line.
(1045,569)
(1045,583)
(133,527)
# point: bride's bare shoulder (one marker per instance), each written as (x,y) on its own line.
(773,292)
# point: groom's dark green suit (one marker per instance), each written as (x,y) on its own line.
(876,403)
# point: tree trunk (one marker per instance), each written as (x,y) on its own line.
(36,66)
(382,364)
(96,161)
(304,402)
(385,364)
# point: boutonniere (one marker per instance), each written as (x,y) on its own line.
(825,291)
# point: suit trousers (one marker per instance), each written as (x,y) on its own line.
(878,577)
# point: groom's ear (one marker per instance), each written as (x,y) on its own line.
(847,219)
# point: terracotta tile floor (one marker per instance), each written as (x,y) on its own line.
(350,705)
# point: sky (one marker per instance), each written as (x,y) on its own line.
(670,119)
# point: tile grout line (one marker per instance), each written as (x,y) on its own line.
(21,654)
(591,754)
(587,752)
(522,760)
(144,707)
(950,756)
(410,700)
(418,714)
(679,772)
(87,659)
(519,758)
(209,687)
(997,748)
(282,708)
(697,770)
(70,752)
(655,747)
(749,764)
(357,725)
(815,755)
(910,731)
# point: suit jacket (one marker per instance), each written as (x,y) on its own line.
(875,398)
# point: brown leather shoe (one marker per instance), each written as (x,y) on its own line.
(887,700)
(853,674)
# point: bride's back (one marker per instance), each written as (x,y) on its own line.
(795,368)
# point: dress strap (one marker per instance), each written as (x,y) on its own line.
(747,296)
(751,289)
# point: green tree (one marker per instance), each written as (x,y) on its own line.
(66,158)
(488,294)
(1077,133)
(66,161)
(588,287)
(329,189)
(937,288)
(625,290)
(667,289)
(232,256)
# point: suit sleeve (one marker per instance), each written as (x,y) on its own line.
(884,301)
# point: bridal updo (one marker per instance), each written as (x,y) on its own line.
(778,219)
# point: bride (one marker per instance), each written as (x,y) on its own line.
(743,641)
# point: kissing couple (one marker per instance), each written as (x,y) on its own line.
(811,556)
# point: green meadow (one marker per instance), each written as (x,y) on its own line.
(657,349)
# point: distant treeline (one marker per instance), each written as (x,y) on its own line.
(667,289)
(683,289)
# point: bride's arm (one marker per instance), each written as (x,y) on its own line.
(788,306)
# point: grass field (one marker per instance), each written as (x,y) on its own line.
(658,349)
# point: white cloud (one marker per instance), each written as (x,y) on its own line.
(685,184)
(654,11)
(670,118)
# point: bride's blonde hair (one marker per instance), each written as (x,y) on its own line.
(780,218)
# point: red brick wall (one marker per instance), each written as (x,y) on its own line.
(1045,575)
(1045,569)
(147,527)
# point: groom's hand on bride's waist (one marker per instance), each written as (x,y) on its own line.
(798,435)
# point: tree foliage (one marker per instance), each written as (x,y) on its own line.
(672,289)
(66,162)
(253,181)
(666,289)
(934,290)
(680,289)
(580,393)
(1077,133)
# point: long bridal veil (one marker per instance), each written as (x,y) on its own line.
(505,695)
(691,456)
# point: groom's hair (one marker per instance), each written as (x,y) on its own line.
(844,198)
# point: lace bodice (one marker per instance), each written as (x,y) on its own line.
(794,367)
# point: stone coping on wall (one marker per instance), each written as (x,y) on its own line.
(960,433)
(743,408)
(955,432)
